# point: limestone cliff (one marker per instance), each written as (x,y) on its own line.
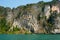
(41,17)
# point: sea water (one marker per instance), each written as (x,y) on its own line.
(29,36)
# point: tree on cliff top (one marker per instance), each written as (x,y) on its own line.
(55,1)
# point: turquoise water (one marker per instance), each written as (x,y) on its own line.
(30,37)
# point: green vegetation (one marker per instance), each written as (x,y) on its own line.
(3,26)
(18,31)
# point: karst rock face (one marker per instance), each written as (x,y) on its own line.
(33,17)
